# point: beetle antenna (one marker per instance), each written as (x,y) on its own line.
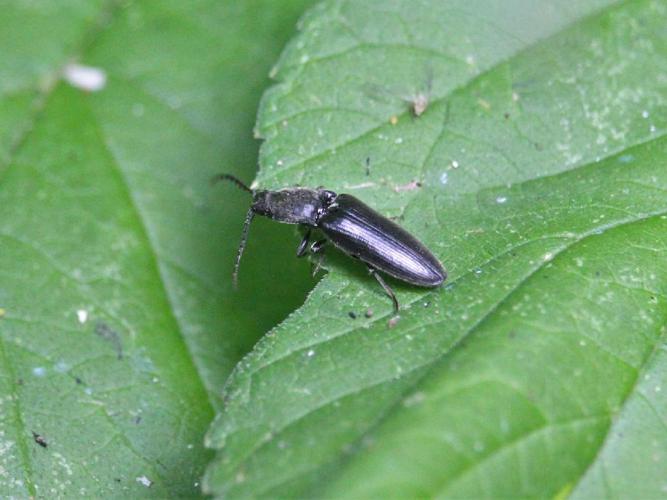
(229,177)
(244,239)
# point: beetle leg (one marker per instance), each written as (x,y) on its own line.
(315,248)
(301,249)
(387,289)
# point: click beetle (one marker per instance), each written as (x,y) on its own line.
(351,226)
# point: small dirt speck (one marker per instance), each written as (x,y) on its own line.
(393,321)
(39,439)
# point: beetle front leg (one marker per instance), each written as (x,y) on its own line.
(318,245)
(387,289)
(301,249)
(318,248)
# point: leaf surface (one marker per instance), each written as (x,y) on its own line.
(538,175)
(118,323)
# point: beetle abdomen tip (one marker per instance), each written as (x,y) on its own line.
(436,277)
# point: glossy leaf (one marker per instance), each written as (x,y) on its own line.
(118,322)
(538,175)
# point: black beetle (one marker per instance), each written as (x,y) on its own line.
(352,226)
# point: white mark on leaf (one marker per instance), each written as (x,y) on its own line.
(82,315)
(143,480)
(86,78)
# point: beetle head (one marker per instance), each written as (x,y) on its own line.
(290,205)
(261,203)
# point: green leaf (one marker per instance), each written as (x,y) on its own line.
(118,323)
(538,175)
